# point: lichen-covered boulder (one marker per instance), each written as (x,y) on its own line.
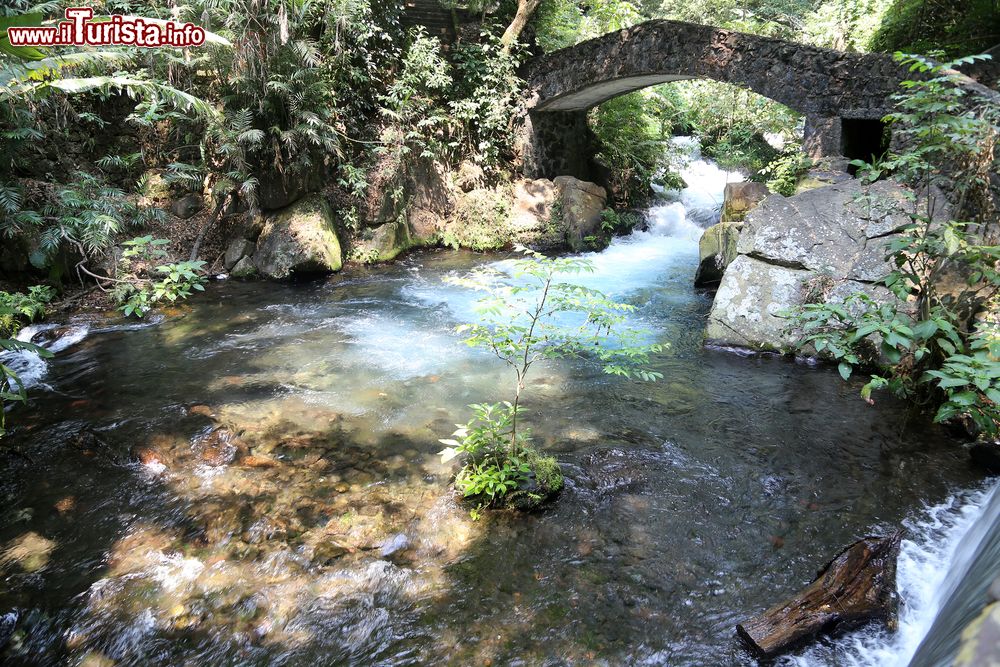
(299,240)
(481,220)
(582,203)
(243,269)
(716,250)
(836,236)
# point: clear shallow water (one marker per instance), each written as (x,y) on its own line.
(690,503)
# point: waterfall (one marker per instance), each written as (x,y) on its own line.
(947,562)
(28,365)
(963,593)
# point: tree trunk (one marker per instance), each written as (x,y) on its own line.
(525,10)
(857,586)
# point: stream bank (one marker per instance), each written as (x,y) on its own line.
(296,509)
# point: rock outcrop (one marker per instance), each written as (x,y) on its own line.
(829,243)
(716,251)
(382,243)
(299,240)
(559,213)
(717,247)
(740,198)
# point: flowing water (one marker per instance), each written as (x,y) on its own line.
(137,530)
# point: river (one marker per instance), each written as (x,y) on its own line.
(690,502)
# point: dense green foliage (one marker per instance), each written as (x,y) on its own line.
(526,317)
(956,27)
(17,308)
(938,344)
(733,123)
(782,174)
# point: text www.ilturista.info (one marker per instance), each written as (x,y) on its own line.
(80,30)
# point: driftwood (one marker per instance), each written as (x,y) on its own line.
(857,586)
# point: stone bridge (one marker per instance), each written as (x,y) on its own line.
(842,95)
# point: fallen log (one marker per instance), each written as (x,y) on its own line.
(857,586)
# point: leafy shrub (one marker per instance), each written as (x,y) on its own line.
(17,308)
(782,174)
(634,133)
(613,222)
(137,289)
(926,346)
(485,102)
(523,317)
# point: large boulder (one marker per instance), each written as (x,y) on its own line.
(299,240)
(740,198)
(382,243)
(716,251)
(187,206)
(237,249)
(431,201)
(825,243)
(559,213)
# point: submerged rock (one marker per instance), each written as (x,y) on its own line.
(259,462)
(328,551)
(395,544)
(299,240)
(220,447)
(147,456)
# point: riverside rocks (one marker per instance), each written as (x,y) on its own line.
(558,213)
(717,246)
(826,243)
(857,586)
(740,198)
(299,240)
(716,251)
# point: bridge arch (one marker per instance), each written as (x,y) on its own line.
(838,92)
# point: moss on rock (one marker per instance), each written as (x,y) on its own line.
(543,483)
(481,220)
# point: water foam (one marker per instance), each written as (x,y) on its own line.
(926,558)
(28,365)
